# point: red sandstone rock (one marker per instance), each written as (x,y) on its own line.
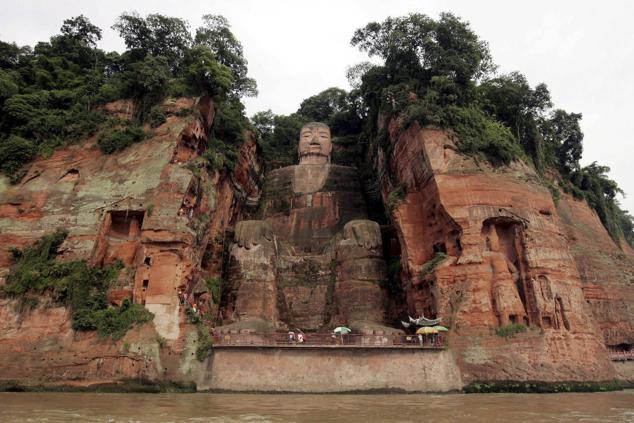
(139,206)
(512,255)
(606,270)
(508,261)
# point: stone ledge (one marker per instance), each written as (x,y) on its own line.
(333,347)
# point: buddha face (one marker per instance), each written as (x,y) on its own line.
(315,144)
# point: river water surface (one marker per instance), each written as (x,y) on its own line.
(92,407)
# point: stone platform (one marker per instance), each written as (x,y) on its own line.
(330,369)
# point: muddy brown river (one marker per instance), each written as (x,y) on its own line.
(91,407)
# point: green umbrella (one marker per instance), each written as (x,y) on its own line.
(342,330)
(441,328)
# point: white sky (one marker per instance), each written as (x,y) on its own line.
(583,51)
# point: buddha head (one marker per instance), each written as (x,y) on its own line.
(315,144)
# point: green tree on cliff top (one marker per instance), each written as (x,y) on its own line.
(440,73)
(51,94)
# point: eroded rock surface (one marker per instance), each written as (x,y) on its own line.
(154,207)
(606,270)
(508,261)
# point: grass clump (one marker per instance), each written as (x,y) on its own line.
(510,330)
(116,139)
(116,321)
(219,155)
(33,273)
(430,265)
(479,134)
(14,152)
(205,344)
(156,117)
(192,316)
(396,196)
(554,191)
(214,285)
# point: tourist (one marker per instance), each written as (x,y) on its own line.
(300,337)
(291,337)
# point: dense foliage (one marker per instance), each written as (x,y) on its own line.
(81,287)
(114,139)
(50,94)
(440,73)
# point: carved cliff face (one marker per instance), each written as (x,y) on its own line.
(315,144)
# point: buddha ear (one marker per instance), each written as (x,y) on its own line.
(328,151)
(328,148)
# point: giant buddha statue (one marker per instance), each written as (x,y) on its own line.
(314,260)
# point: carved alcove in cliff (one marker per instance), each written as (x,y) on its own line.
(191,200)
(548,308)
(192,143)
(72,176)
(503,251)
(439,240)
(119,237)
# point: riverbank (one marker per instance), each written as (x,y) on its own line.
(133,386)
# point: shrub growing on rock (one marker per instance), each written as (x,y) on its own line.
(156,116)
(77,285)
(205,344)
(431,265)
(115,321)
(510,330)
(14,153)
(396,196)
(116,139)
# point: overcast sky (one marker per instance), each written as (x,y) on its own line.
(583,51)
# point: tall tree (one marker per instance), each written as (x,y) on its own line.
(205,75)
(81,29)
(417,47)
(217,36)
(157,35)
(512,101)
(322,106)
(564,139)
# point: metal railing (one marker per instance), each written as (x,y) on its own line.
(328,340)
(621,355)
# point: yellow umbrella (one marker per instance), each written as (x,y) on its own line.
(425,330)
